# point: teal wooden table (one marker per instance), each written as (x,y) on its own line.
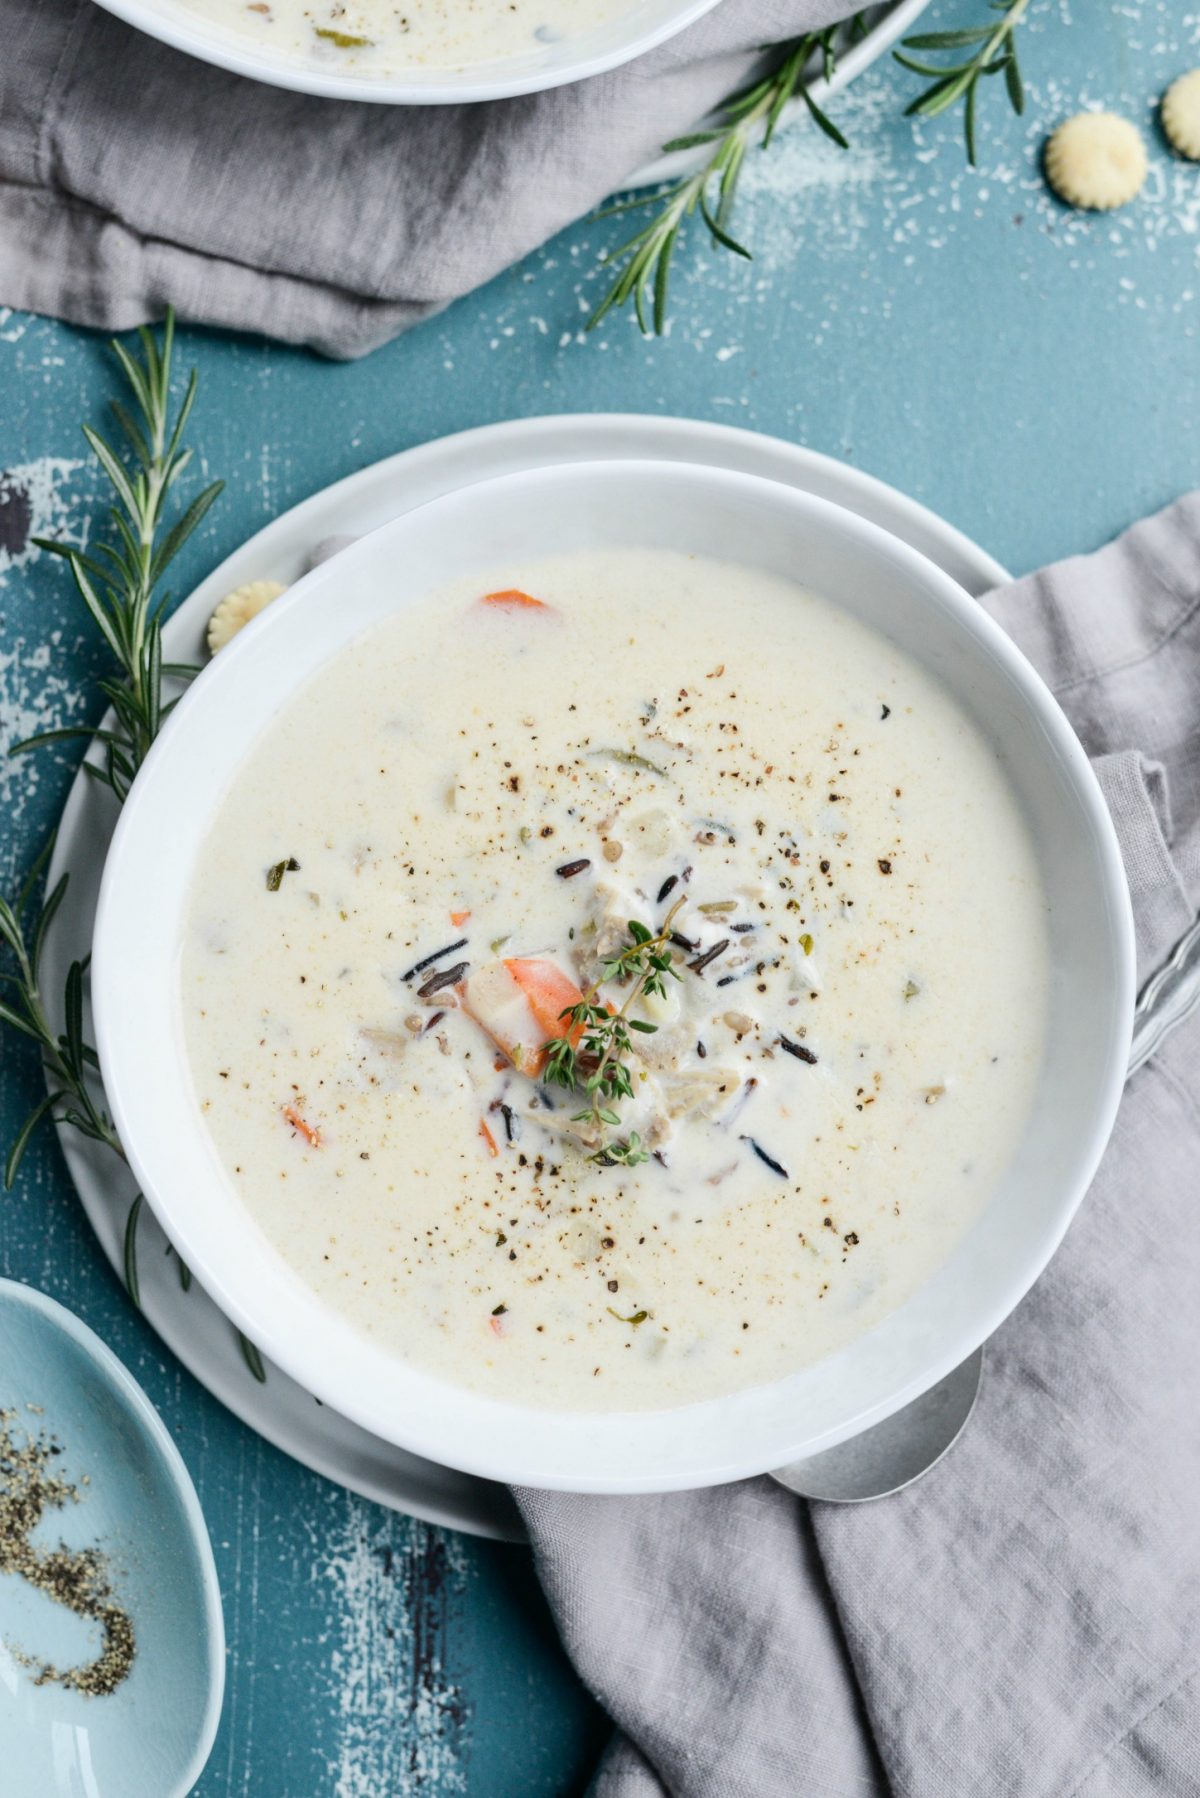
(1032,374)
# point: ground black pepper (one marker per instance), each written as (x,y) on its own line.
(77,1578)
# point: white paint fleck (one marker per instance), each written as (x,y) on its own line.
(34,697)
(400,1718)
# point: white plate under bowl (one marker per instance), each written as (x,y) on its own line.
(478,532)
(190,1323)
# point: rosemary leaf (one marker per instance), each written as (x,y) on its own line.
(73,1040)
(947,40)
(721,236)
(132,1283)
(251,1357)
(46,918)
(692,142)
(20,1143)
(823,122)
(67,734)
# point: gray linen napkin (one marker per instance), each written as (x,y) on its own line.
(1026,1620)
(132,176)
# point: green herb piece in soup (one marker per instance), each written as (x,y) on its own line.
(638,1317)
(275,875)
(631,759)
(631,1152)
(344,40)
(604,1039)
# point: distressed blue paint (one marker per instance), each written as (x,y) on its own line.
(1030,374)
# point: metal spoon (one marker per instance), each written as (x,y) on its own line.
(894,1453)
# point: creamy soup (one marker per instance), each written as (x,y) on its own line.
(617,983)
(372,37)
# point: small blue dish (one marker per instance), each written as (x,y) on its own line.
(151,1736)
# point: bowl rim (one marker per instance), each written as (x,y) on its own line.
(428,1435)
(19,1292)
(468,84)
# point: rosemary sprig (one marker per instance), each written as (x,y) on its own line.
(252,1358)
(643,262)
(592,1053)
(118,584)
(645,259)
(991,50)
(120,593)
(66,1058)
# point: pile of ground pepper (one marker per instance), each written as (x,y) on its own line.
(77,1578)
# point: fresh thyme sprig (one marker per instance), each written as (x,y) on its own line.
(592,1053)
(992,50)
(118,584)
(646,257)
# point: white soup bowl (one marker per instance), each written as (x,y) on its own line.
(477,530)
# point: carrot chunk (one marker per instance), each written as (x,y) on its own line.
(548,990)
(519,1003)
(309,1132)
(488,1138)
(459,918)
(513,599)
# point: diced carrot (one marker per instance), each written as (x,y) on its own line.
(548,991)
(488,1138)
(309,1132)
(459,918)
(519,1003)
(514,599)
(496,1326)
